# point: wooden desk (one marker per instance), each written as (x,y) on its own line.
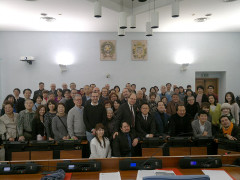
(130,175)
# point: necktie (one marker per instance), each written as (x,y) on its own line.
(145,117)
(133,119)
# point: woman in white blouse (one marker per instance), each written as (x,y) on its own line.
(100,145)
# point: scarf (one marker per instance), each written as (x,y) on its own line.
(228,130)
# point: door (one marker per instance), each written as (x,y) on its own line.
(205,82)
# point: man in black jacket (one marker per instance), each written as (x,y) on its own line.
(145,123)
(38,92)
(125,142)
(180,123)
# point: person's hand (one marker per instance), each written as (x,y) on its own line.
(74,138)
(205,133)
(231,137)
(65,138)
(50,139)
(115,134)
(135,142)
(11,139)
(21,138)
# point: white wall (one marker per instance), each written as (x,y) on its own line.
(212,52)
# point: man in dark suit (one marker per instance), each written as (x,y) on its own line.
(145,123)
(125,142)
(38,92)
(126,112)
(180,123)
(126,94)
(69,103)
(16,93)
(162,120)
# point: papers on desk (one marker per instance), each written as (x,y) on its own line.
(217,174)
(144,173)
(110,176)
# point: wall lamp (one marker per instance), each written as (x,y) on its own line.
(28,59)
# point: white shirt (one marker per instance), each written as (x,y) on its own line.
(201,127)
(98,151)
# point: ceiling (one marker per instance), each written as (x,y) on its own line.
(77,15)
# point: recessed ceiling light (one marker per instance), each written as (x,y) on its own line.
(229,0)
(202,19)
(48,19)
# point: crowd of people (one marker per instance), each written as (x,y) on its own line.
(115,121)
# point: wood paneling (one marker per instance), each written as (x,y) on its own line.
(179,151)
(71,154)
(152,151)
(20,156)
(41,155)
(198,150)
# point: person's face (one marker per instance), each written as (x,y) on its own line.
(61,109)
(161,108)
(29,105)
(225,122)
(8,109)
(116,89)
(45,95)
(78,101)
(228,97)
(152,98)
(126,93)
(156,89)
(143,90)
(206,109)
(86,89)
(203,118)
(113,97)
(51,97)
(41,86)
(64,86)
(176,91)
(96,90)
(104,92)
(67,95)
(225,111)
(163,89)
(27,94)
(73,86)
(108,105)
(169,87)
(16,93)
(152,90)
(51,106)
(113,91)
(139,95)
(94,98)
(100,132)
(181,111)
(144,109)
(128,85)
(191,100)
(200,91)
(73,93)
(133,87)
(132,99)
(164,100)
(125,128)
(42,111)
(81,91)
(175,98)
(181,90)
(59,93)
(189,93)
(211,99)
(53,87)
(39,100)
(107,86)
(116,105)
(210,90)
(109,114)
(11,99)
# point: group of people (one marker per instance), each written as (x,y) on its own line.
(114,122)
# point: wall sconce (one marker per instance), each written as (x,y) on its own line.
(184,67)
(63,67)
(28,59)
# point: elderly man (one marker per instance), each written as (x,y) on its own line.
(75,124)
(21,103)
(126,112)
(24,122)
(53,89)
(164,93)
(180,123)
(93,114)
(140,99)
(87,94)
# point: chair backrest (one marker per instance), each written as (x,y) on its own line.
(181,177)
